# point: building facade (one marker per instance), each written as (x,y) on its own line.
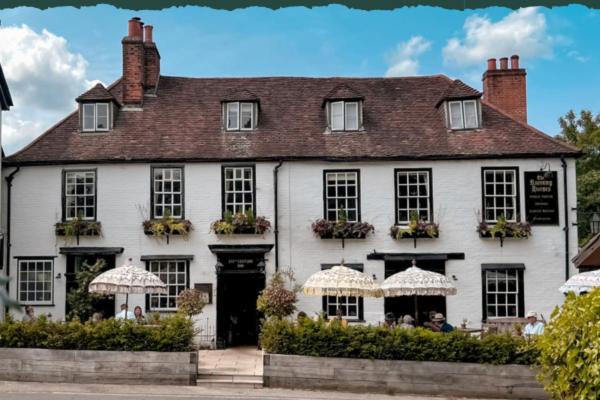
(140,162)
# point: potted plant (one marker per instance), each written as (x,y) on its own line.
(77,227)
(341,229)
(503,229)
(417,228)
(240,223)
(167,226)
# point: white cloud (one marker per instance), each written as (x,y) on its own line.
(577,56)
(44,79)
(523,32)
(404,59)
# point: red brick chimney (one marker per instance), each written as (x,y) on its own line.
(506,87)
(133,64)
(152,60)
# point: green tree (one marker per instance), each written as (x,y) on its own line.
(570,349)
(583,131)
(80,299)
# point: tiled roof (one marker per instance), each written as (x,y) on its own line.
(343,91)
(97,93)
(457,90)
(184,122)
(240,95)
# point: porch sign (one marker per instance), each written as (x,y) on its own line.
(541,197)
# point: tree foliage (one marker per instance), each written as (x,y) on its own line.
(80,300)
(191,302)
(583,131)
(276,300)
(570,349)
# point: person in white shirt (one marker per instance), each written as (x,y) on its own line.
(533,327)
(125,311)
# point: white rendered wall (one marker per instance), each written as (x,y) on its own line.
(123,190)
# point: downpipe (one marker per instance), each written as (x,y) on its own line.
(566,212)
(9,182)
(276,214)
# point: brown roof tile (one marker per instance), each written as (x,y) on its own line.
(183,122)
(97,93)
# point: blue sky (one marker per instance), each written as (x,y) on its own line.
(59,52)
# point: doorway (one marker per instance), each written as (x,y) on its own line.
(403,305)
(105,304)
(240,279)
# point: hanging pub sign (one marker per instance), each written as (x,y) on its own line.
(541,197)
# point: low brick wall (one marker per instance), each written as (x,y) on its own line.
(414,377)
(92,366)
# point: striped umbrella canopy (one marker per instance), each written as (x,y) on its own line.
(581,283)
(341,281)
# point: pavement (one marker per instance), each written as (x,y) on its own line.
(70,391)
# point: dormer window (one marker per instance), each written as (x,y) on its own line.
(345,115)
(463,114)
(240,116)
(95,117)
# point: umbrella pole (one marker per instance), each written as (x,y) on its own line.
(126,304)
(416,311)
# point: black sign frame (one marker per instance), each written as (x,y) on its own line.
(541,197)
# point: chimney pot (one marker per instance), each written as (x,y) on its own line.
(491,64)
(514,62)
(504,63)
(135,28)
(148,34)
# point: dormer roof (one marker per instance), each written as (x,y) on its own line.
(96,93)
(343,92)
(457,89)
(239,95)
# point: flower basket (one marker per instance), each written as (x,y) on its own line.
(416,229)
(165,227)
(241,224)
(78,227)
(503,229)
(342,229)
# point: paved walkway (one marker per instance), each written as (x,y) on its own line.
(70,391)
(244,361)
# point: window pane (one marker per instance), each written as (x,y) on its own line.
(168,192)
(80,194)
(246,113)
(88,117)
(35,281)
(341,193)
(351,116)
(232,116)
(102,117)
(337,116)
(239,189)
(470,114)
(174,274)
(455,115)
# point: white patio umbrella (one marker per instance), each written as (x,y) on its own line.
(583,282)
(127,279)
(341,281)
(415,281)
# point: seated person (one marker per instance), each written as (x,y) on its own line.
(408,322)
(441,323)
(125,313)
(431,325)
(390,320)
(139,317)
(533,327)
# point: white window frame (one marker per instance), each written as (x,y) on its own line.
(156,267)
(70,180)
(345,197)
(238,174)
(344,302)
(237,106)
(463,118)
(95,111)
(495,197)
(48,280)
(411,197)
(495,277)
(345,104)
(158,189)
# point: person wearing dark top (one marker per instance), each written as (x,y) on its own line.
(441,323)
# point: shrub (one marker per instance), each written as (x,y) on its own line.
(191,302)
(174,333)
(276,300)
(570,349)
(322,339)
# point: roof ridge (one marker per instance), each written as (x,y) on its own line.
(309,77)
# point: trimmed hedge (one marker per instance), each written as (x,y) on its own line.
(322,339)
(173,334)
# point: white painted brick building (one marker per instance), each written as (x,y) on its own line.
(149,136)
